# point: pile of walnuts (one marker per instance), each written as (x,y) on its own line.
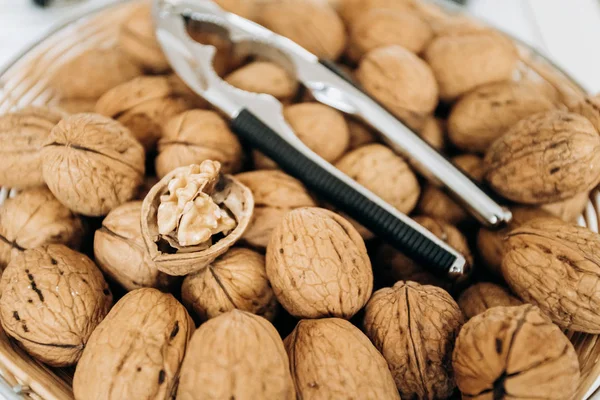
(152,250)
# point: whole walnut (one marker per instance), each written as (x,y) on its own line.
(556,266)
(483,296)
(350,10)
(414,327)
(460,59)
(513,353)
(264,77)
(545,158)
(382,27)
(143,105)
(138,41)
(318,265)
(92,73)
(313,24)
(22,135)
(386,174)
(401,81)
(438,204)
(52,299)
(275,194)
(589,107)
(236,280)
(92,163)
(35,218)
(321,128)
(194,136)
(332,359)
(137,351)
(434,133)
(570,209)
(120,251)
(236,355)
(491,242)
(360,134)
(486,113)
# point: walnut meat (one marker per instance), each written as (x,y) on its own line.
(486,113)
(401,81)
(22,135)
(332,359)
(513,352)
(483,296)
(236,355)
(556,266)
(236,280)
(460,59)
(52,299)
(35,218)
(136,352)
(313,24)
(414,327)
(275,194)
(318,265)
(545,158)
(192,216)
(120,251)
(92,163)
(264,77)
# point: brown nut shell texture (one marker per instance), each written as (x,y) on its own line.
(332,359)
(264,77)
(136,352)
(414,327)
(514,353)
(34,218)
(52,299)
(192,216)
(22,135)
(120,251)
(589,107)
(350,10)
(275,194)
(545,158)
(483,296)
(318,265)
(556,266)
(92,164)
(239,356)
(194,136)
(236,280)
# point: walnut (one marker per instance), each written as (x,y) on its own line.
(22,135)
(92,163)
(120,251)
(194,215)
(570,209)
(332,359)
(52,299)
(136,352)
(77,106)
(555,265)
(460,60)
(138,41)
(318,265)
(414,327)
(360,134)
(513,352)
(313,24)
(434,133)
(195,136)
(143,105)
(35,218)
(486,113)
(236,280)
(384,27)
(589,107)
(264,77)
(248,9)
(491,242)
(92,73)
(236,355)
(436,203)
(350,10)
(483,296)
(545,158)
(275,194)
(401,81)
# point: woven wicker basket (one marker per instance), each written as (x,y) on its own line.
(24,82)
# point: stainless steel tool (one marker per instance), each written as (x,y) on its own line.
(258,119)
